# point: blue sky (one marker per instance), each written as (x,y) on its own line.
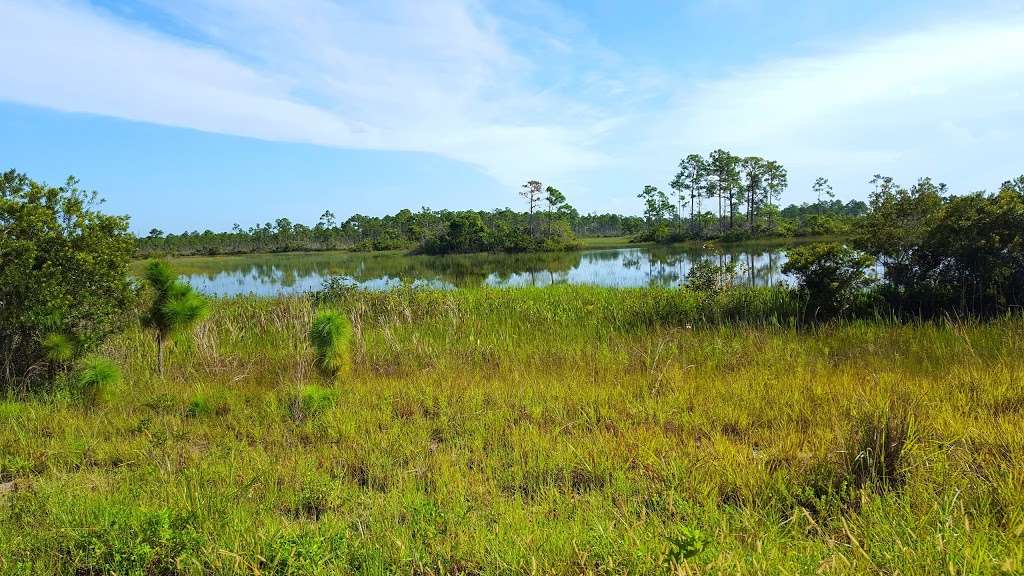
(194,114)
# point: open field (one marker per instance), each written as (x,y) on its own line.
(562,430)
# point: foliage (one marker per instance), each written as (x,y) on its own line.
(706,276)
(316,399)
(963,253)
(571,430)
(688,543)
(97,377)
(63,277)
(829,275)
(331,336)
(175,307)
(507,230)
(134,542)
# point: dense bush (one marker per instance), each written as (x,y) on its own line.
(962,253)
(63,277)
(830,276)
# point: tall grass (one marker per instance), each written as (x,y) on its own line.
(570,430)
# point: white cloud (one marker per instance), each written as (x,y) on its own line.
(918,103)
(397,75)
(529,96)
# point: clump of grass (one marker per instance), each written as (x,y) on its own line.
(331,336)
(97,378)
(875,455)
(311,401)
(59,347)
(204,405)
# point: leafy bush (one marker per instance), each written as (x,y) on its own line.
(830,276)
(688,543)
(63,277)
(331,336)
(705,276)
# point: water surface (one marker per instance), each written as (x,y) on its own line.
(271,274)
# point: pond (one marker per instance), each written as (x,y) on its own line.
(272,274)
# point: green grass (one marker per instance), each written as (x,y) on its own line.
(565,430)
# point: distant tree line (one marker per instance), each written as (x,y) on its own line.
(728,197)
(550,223)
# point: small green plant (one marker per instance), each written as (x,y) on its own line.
(135,542)
(96,379)
(200,406)
(331,336)
(688,543)
(305,552)
(176,307)
(317,400)
(60,348)
(876,449)
(310,401)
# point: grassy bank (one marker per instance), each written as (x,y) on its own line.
(566,430)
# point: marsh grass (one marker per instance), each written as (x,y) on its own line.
(560,431)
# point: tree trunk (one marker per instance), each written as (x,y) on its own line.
(160,354)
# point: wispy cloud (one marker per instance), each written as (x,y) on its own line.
(527,93)
(901,103)
(397,74)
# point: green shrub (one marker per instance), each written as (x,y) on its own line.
(688,543)
(705,276)
(830,276)
(302,553)
(96,379)
(200,406)
(315,400)
(331,336)
(63,277)
(175,308)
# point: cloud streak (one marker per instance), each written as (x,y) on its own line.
(533,94)
(393,75)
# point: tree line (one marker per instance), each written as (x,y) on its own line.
(723,197)
(729,197)
(549,223)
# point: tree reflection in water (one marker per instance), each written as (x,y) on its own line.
(268,274)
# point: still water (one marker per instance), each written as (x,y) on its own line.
(270,274)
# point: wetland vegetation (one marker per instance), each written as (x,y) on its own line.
(837,423)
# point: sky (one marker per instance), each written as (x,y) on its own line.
(199,114)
